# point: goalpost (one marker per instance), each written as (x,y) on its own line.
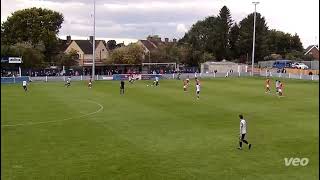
(170,66)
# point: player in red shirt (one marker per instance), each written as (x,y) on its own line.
(268,86)
(185,85)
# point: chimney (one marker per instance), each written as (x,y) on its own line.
(150,38)
(69,39)
(91,39)
(174,40)
(166,40)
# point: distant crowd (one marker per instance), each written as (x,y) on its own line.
(87,72)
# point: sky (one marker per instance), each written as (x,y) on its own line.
(130,20)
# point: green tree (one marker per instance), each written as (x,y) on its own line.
(117,56)
(67,59)
(131,54)
(34,26)
(234,41)
(223,33)
(206,57)
(165,53)
(296,43)
(283,43)
(31,57)
(111,44)
(246,36)
(185,51)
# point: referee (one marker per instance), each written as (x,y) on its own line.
(122,87)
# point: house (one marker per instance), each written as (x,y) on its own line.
(147,46)
(84,50)
(152,43)
(313,50)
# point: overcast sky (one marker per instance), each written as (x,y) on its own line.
(129,20)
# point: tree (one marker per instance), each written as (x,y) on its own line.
(131,54)
(283,43)
(185,51)
(234,41)
(31,57)
(224,26)
(246,36)
(206,57)
(111,44)
(296,43)
(202,37)
(165,53)
(67,59)
(33,26)
(218,37)
(117,55)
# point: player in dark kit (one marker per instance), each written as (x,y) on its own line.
(122,87)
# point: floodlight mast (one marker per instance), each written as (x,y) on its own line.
(254,34)
(94,39)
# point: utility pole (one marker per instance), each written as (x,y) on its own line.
(254,34)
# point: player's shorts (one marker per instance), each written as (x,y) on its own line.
(243,136)
(198,92)
(24,87)
(280,90)
(90,83)
(268,86)
(184,86)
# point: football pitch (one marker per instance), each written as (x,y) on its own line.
(54,132)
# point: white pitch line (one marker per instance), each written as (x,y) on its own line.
(53,121)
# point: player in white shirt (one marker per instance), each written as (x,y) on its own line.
(131,79)
(68,82)
(156,82)
(198,90)
(243,132)
(90,83)
(24,85)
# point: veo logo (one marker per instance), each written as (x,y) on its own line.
(296,161)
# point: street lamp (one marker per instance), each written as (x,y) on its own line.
(94,39)
(254,34)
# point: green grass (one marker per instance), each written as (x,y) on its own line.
(158,133)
